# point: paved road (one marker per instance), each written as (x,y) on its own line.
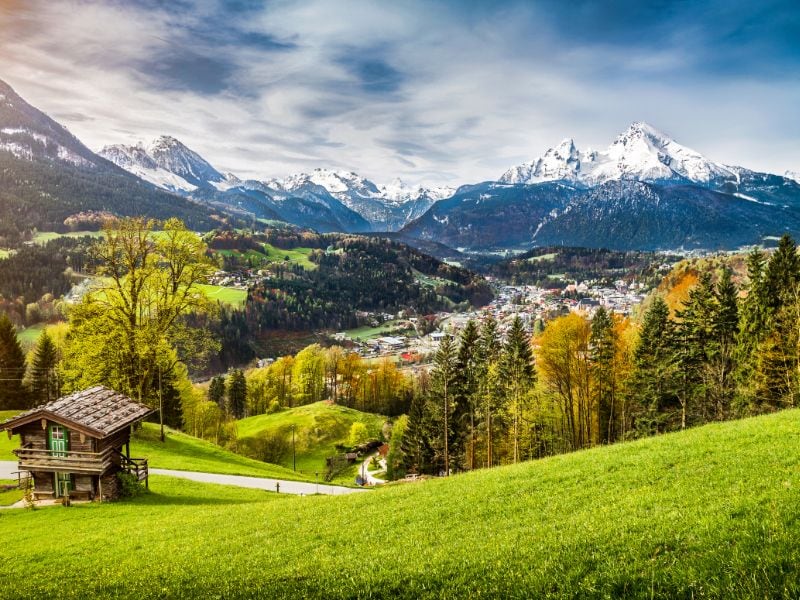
(287,487)
(8,467)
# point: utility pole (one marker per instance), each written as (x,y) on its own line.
(160,404)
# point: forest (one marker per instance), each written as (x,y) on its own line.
(556,266)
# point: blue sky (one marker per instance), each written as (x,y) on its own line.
(435,92)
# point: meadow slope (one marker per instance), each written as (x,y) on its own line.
(712,512)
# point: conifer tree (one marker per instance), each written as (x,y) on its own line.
(12,367)
(216,391)
(602,354)
(653,369)
(487,362)
(43,379)
(694,336)
(415,446)
(441,401)
(466,395)
(517,367)
(723,348)
(776,362)
(237,394)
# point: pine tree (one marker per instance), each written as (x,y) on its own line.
(694,335)
(652,380)
(415,448)
(12,367)
(602,354)
(216,391)
(237,394)
(43,379)
(441,401)
(517,367)
(723,347)
(488,353)
(777,358)
(466,395)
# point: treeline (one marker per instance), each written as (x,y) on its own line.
(725,353)
(314,374)
(540,265)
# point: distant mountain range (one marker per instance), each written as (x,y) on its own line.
(645,191)
(342,201)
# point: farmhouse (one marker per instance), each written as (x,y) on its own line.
(75,446)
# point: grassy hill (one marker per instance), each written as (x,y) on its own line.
(713,512)
(187,453)
(318,428)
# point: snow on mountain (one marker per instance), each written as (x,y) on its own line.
(398,192)
(173,156)
(793,175)
(640,153)
(137,160)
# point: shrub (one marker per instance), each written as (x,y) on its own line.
(129,485)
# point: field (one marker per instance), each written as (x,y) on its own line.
(366,332)
(271,254)
(297,256)
(227,295)
(186,453)
(712,512)
(42,237)
(318,428)
(29,335)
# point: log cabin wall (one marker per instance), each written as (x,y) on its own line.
(43,485)
(33,436)
(76,445)
(117,440)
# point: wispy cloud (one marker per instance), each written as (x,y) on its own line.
(437,91)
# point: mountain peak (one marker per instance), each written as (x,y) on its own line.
(641,153)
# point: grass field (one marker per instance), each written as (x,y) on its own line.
(42,237)
(709,513)
(227,295)
(318,428)
(297,256)
(366,332)
(186,453)
(29,335)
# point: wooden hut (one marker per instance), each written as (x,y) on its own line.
(77,445)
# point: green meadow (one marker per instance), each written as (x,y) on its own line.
(712,512)
(319,427)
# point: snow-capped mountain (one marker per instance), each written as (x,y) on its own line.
(386,207)
(50,177)
(166,163)
(640,153)
(793,175)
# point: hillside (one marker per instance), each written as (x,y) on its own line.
(187,453)
(710,512)
(319,427)
(48,175)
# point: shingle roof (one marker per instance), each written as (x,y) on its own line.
(99,410)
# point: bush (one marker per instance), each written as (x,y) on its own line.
(358,434)
(268,446)
(273,407)
(129,485)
